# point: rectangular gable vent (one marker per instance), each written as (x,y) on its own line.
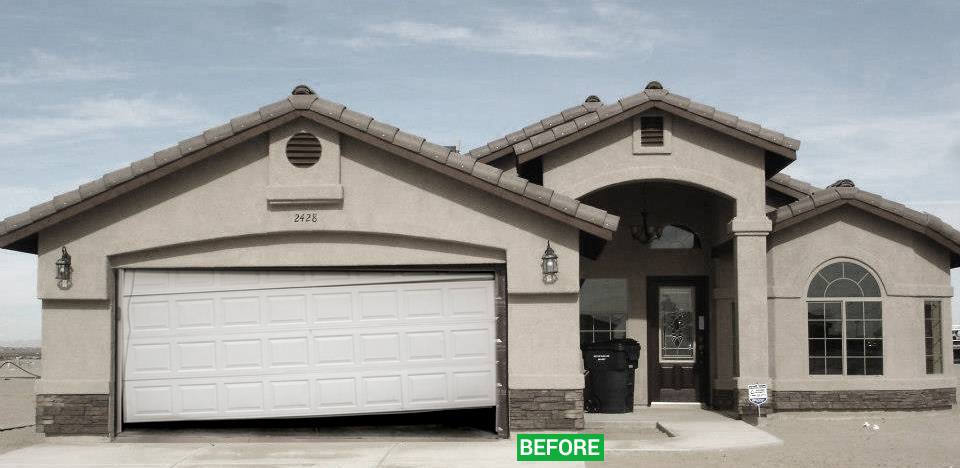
(651,131)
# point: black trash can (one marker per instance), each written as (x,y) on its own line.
(610,370)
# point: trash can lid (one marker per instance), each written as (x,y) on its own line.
(620,344)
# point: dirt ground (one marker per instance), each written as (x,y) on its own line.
(902,439)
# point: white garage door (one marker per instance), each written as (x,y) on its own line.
(246,344)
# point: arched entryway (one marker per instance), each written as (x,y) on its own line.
(655,282)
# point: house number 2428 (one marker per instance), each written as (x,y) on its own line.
(305,218)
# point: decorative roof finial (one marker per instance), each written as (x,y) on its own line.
(843,183)
(592,98)
(302,89)
(654,85)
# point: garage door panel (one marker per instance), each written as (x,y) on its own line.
(475,343)
(333,307)
(242,354)
(337,393)
(150,358)
(288,352)
(383,392)
(198,399)
(196,357)
(149,316)
(195,313)
(424,303)
(241,312)
(244,396)
(426,345)
(280,344)
(428,389)
(335,350)
(379,348)
(471,301)
(288,309)
(477,386)
(290,395)
(378,305)
(154,400)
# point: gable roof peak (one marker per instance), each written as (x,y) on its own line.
(19,232)
(574,123)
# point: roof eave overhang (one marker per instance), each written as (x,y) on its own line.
(25,238)
(788,191)
(953,247)
(776,156)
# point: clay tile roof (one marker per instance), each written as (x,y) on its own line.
(844,193)
(781,148)
(790,186)
(18,232)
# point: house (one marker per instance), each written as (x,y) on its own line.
(308,260)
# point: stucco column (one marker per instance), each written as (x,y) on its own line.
(750,259)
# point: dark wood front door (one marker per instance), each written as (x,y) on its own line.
(677,357)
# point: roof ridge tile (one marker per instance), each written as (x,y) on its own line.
(302,101)
(677,100)
(634,100)
(216,134)
(487,173)
(513,183)
(246,121)
(356,119)
(276,109)
(461,162)
(408,141)
(435,152)
(328,108)
(383,131)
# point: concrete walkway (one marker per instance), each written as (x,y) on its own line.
(691,429)
(687,428)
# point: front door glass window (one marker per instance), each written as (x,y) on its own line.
(677,324)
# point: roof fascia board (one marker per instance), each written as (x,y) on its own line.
(35,227)
(454,173)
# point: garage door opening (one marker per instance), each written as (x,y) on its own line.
(473,424)
(216,345)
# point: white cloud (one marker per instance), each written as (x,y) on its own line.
(83,117)
(44,67)
(603,30)
(882,150)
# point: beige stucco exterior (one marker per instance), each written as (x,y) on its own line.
(910,269)
(216,215)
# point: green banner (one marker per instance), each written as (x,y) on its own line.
(560,447)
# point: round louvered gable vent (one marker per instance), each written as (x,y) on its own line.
(303,150)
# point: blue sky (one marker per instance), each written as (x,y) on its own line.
(871,88)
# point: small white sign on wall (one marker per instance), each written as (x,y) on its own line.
(757,393)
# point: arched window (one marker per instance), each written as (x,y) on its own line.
(674,236)
(845,321)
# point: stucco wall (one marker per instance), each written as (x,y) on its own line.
(215,214)
(697,156)
(910,268)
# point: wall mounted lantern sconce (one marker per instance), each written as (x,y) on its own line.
(64,270)
(548,264)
